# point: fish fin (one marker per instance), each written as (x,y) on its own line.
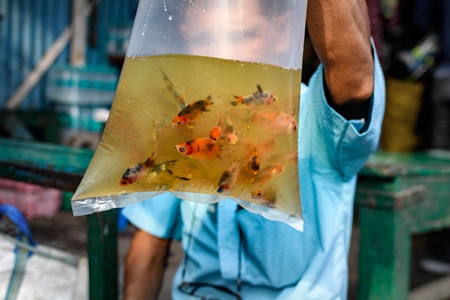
(234,103)
(171,163)
(259,88)
(183,178)
(169,171)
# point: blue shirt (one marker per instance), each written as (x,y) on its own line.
(273,260)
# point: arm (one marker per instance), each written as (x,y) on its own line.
(144,266)
(340,33)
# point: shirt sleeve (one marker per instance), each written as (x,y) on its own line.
(349,142)
(159,216)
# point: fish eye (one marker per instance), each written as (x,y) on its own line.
(124,182)
(178,122)
(182,148)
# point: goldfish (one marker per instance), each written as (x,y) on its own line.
(229,134)
(199,148)
(276,122)
(172,90)
(139,171)
(258,98)
(267,198)
(228,178)
(224,130)
(216,131)
(192,112)
(269,173)
(254,163)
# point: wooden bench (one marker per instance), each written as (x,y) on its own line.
(398,195)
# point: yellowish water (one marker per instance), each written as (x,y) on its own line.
(141,125)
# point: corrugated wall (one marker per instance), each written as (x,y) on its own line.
(29,27)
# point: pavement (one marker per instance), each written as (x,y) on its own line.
(68,233)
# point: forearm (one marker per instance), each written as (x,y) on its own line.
(144,266)
(340,33)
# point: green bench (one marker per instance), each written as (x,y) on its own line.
(397,196)
(61,167)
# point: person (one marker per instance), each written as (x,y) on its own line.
(230,253)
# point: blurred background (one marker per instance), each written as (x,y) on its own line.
(60,61)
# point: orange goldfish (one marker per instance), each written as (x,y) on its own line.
(139,171)
(199,148)
(276,122)
(228,178)
(192,112)
(267,198)
(216,131)
(258,98)
(172,90)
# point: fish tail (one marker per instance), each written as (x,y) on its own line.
(208,100)
(259,88)
(150,161)
(239,99)
(171,163)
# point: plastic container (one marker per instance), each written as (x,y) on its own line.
(82,97)
(206,108)
(32,200)
(119,39)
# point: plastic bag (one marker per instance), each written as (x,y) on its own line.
(206,108)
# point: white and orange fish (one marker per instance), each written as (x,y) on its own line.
(258,98)
(269,173)
(276,122)
(199,148)
(188,115)
(148,167)
(228,178)
(224,130)
(229,133)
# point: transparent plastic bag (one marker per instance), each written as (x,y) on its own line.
(206,108)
